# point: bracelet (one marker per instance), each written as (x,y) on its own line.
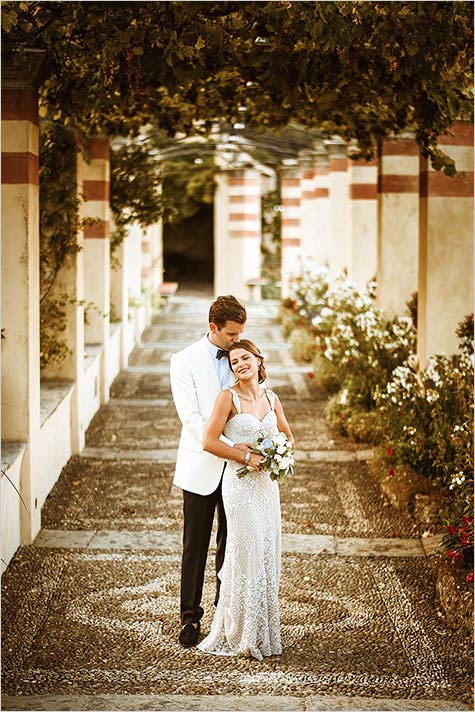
(247,457)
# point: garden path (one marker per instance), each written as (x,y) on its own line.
(90,611)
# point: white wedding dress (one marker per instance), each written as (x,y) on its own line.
(247,620)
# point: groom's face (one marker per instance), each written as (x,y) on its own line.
(228,335)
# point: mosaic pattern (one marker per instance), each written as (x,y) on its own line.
(107,621)
(104,620)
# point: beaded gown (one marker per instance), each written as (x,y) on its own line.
(247,619)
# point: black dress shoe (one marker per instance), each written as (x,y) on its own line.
(189,635)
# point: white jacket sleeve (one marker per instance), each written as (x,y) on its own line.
(185,397)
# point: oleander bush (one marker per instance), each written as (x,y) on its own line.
(421,420)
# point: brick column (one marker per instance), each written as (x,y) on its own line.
(323,211)
(338,186)
(446,253)
(362,220)
(97,249)
(237,231)
(398,224)
(291,225)
(20,286)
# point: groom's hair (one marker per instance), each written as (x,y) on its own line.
(227,308)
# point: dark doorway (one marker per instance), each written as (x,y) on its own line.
(188,249)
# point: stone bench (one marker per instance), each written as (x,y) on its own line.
(255,285)
(168,289)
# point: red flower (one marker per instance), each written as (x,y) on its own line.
(391,471)
(469,578)
(310,374)
(451,529)
(454,555)
(341,415)
(390,451)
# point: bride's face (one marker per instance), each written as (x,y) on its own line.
(244,365)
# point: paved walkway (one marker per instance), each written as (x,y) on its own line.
(90,611)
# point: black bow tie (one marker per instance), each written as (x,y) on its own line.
(221,353)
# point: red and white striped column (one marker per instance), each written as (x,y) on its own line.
(445,294)
(20,299)
(398,224)
(290,189)
(323,211)
(308,208)
(362,221)
(237,231)
(97,249)
(338,186)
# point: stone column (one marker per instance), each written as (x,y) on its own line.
(446,252)
(308,206)
(20,283)
(338,186)
(362,221)
(237,231)
(97,250)
(147,271)
(291,226)
(323,210)
(120,297)
(157,256)
(398,224)
(70,281)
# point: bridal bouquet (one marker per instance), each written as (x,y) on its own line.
(278,454)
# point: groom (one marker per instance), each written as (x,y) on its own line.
(197,375)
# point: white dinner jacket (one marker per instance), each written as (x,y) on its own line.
(195,387)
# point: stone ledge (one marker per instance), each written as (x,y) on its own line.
(224,703)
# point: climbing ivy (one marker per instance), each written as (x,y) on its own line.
(364,70)
(135,189)
(59,225)
(186,187)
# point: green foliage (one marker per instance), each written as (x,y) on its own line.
(186,187)
(135,190)
(59,225)
(326,373)
(135,185)
(363,70)
(302,345)
(59,202)
(361,425)
(53,322)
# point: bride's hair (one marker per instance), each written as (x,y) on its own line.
(252,348)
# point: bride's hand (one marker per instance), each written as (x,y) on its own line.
(256,461)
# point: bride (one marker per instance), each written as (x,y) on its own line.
(247,620)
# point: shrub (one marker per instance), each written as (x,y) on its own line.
(302,344)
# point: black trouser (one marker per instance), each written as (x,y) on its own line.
(198,512)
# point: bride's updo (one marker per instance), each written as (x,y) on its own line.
(252,348)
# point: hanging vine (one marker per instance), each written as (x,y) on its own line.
(59,225)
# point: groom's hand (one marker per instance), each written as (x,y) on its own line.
(245,447)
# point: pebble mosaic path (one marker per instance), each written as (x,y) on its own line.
(90,610)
